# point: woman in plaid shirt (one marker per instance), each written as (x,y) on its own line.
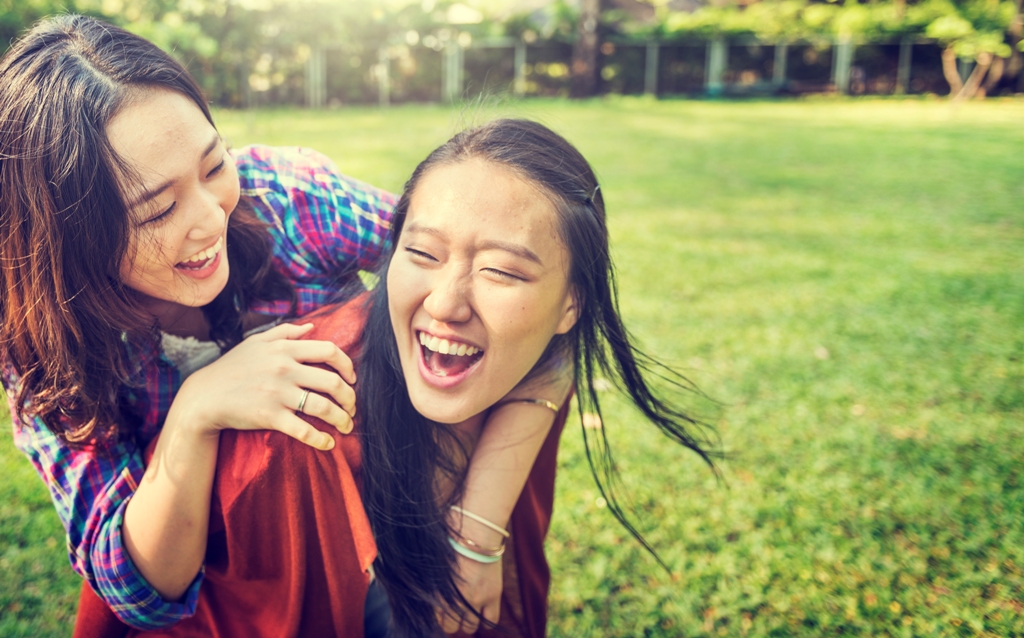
(142,250)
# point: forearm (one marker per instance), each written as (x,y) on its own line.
(503,458)
(167,520)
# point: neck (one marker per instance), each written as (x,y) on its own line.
(183,321)
(469,430)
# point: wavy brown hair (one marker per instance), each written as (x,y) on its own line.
(67,323)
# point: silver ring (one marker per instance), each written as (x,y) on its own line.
(302,401)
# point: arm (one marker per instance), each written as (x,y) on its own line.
(501,462)
(255,386)
(90,488)
(325,226)
(137,533)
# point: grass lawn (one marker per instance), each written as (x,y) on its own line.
(845,278)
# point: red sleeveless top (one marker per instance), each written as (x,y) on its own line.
(290,545)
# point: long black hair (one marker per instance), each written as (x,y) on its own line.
(405,453)
(65,226)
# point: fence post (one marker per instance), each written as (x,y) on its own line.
(316,78)
(717,60)
(451,76)
(383,78)
(651,68)
(903,69)
(779,64)
(519,60)
(245,87)
(841,60)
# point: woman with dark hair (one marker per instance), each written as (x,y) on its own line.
(136,250)
(498,241)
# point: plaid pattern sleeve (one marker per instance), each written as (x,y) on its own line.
(325,226)
(90,489)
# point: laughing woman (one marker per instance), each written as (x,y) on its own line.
(499,241)
(136,250)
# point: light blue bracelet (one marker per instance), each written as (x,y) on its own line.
(470,554)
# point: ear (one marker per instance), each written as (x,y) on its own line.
(570,314)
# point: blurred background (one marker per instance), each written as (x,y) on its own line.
(816,215)
(318,53)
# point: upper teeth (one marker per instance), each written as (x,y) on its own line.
(203,255)
(446,347)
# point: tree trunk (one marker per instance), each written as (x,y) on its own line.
(584,54)
(1016,61)
(970,87)
(949,70)
(995,73)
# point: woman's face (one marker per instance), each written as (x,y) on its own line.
(477,287)
(178,252)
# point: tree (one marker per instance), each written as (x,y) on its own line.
(585,50)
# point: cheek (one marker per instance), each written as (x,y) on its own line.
(231,191)
(401,295)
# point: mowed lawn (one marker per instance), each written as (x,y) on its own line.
(844,278)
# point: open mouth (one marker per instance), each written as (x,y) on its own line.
(445,358)
(203,258)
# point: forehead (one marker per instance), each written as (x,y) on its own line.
(156,130)
(475,196)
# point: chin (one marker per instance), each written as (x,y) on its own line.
(442,409)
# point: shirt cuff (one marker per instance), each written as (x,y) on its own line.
(125,590)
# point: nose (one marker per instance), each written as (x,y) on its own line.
(448,301)
(208,216)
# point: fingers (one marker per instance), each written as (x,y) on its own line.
(470,623)
(447,621)
(283,331)
(492,612)
(324,352)
(299,430)
(330,384)
(325,409)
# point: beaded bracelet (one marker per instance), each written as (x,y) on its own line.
(471,555)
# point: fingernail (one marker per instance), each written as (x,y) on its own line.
(347,428)
(328,444)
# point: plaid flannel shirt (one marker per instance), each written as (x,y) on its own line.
(324,226)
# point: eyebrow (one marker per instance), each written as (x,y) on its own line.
(152,193)
(494,244)
(516,249)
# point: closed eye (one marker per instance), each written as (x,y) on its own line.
(420,254)
(164,215)
(216,169)
(505,275)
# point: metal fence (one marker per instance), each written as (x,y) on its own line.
(461,68)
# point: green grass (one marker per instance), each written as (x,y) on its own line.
(845,277)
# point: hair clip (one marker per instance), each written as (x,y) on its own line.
(590,199)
